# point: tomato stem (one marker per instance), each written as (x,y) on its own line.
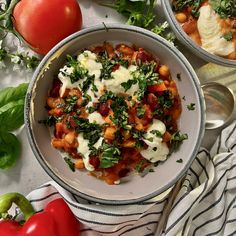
(8,12)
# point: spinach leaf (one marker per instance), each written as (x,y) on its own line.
(10,94)
(10,149)
(12,115)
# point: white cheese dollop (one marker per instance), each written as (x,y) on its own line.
(121,75)
(64,76)
(210,32)
(157,150)
(88,60)
(83,149)
(96,117)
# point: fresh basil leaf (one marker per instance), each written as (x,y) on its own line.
(110,156)
(10,149)
(10,94)
(12,115)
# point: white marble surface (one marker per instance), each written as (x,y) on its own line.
(27,174)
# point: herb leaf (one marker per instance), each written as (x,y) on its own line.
(225,8)
(70,163)
(110,156)
(10,149)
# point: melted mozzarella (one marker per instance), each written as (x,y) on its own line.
(96,117)
(158,154)
(98,144)
(83,149)
(211,35)
(121,75)
(64,76)
(88,60)
(157,150)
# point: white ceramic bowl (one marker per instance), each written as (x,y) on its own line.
(188,42)
(137,189)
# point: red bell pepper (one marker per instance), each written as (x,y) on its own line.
(56,220)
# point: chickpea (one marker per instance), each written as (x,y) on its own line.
(181,17)
(232,56)
(164,71)
(79,164)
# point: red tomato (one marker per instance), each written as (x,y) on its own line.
(157,88)
(43,23)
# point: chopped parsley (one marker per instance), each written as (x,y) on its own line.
(180,160)
(120,109)
(176,140)
(146,76)
(225,8)
(180,5)
(228,36)
(127,85)
(70,103)
(78,73)
(70,163)
(139,166)
(191,106)
(91,131)
(110,156)
(179,76)
(140,112)
(165,100)
(157,133)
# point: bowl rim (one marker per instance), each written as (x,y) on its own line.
(29,95)
(188,42)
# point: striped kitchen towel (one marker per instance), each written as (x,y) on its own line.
(204,205)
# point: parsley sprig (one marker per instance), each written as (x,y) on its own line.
(17,59)
(180,5)
(110,156)
(225,8)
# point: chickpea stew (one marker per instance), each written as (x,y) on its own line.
(211,24)
(114,110)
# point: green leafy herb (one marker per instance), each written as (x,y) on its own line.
(127,85)
(110,156)
(139,13)
(191,106)
(165,100)
(146,76)
(120,109)
(157,133)
(91,131)
(18,60)
(106,96)
(180,5)
(140,112)
(70,103)
(176,140)
(78,73)
(228,36)
(10,149)
(162,29)
(180,160)
(139,166)
(11,118)
(179,76)
(225,8)
(70,163)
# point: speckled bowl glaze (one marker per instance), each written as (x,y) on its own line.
(188,42)
(134,188)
